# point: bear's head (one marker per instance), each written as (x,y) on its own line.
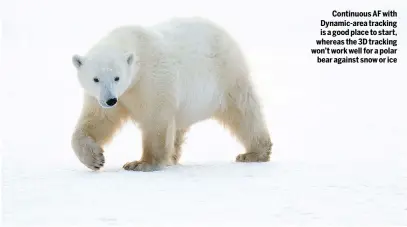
(106,75)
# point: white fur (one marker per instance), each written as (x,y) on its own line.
(180,72)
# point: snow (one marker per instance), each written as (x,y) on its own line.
(339,131)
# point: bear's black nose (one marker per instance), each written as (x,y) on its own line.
(111,102)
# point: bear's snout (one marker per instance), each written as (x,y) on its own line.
(111,102)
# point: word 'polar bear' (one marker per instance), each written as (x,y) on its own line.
(166,78)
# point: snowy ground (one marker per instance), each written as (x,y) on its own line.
(339,157)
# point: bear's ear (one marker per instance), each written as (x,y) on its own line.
(77,61)
(129,58)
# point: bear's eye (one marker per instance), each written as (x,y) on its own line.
(116,79)
(96,80)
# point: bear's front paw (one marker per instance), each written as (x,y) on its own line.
(91,155)
(254,157)
(141,166)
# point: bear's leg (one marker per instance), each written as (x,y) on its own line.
(95,128)
(158,145)
(179,140)
(244,119)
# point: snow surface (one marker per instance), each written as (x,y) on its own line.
(339,131)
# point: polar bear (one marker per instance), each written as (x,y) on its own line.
(165,78)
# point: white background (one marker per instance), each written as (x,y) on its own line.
(339,131)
